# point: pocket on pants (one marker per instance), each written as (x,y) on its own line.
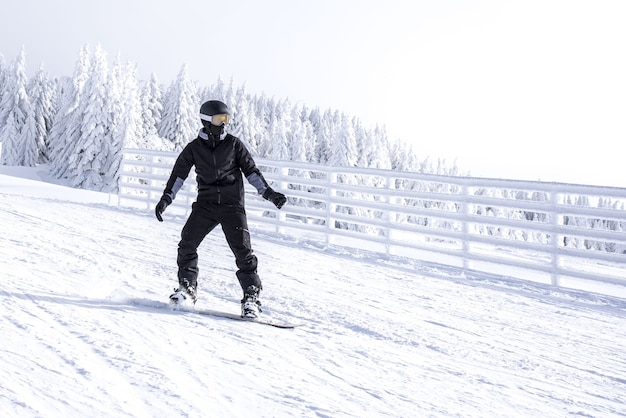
(245,236)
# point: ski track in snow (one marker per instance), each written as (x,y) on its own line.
(87,332)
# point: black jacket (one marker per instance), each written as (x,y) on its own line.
(219,168)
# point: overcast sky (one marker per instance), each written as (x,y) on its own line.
(532,89)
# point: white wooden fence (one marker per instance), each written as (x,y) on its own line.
(563,234)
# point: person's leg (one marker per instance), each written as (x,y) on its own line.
(235,227)
(198,225)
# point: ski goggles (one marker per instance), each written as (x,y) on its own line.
(217,120)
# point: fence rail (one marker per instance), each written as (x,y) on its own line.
(563,234)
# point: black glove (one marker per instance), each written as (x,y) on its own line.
(278,199)
(165,201)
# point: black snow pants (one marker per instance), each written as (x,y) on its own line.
(203,219)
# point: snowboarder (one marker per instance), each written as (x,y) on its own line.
(220,159)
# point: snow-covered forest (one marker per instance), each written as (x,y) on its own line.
(79,124)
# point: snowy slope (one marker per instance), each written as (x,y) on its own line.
(86,331)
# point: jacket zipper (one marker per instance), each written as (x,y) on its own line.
(219,190)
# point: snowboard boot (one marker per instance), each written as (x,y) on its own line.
(250,304)
(185,290)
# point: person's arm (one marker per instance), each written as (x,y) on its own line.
(256,179)
(179,174)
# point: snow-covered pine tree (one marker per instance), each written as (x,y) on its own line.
(65,132)
(152,108)
(261,109)
(343,150)
(379,149)
(364,144)
(279,127)
(180,122)
(216,92)
(27,139)
(3,88)
(42,95)
(401,153)
(19,146)
(321,136)
(10,146)
(128,126)
(257,127)
(308,132)
(298,137)
(244,123)
(95,150)
(230,97)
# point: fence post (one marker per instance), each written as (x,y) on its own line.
(331,178)
(465,210)
(554,238)
(283,173)
(390,215)
(153,181)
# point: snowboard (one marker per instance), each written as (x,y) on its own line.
(184,306)
(260,320)
(188,308)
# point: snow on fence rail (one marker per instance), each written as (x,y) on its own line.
(563,234)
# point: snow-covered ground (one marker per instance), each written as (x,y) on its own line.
(86,331)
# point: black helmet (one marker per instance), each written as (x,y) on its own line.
(215,108)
